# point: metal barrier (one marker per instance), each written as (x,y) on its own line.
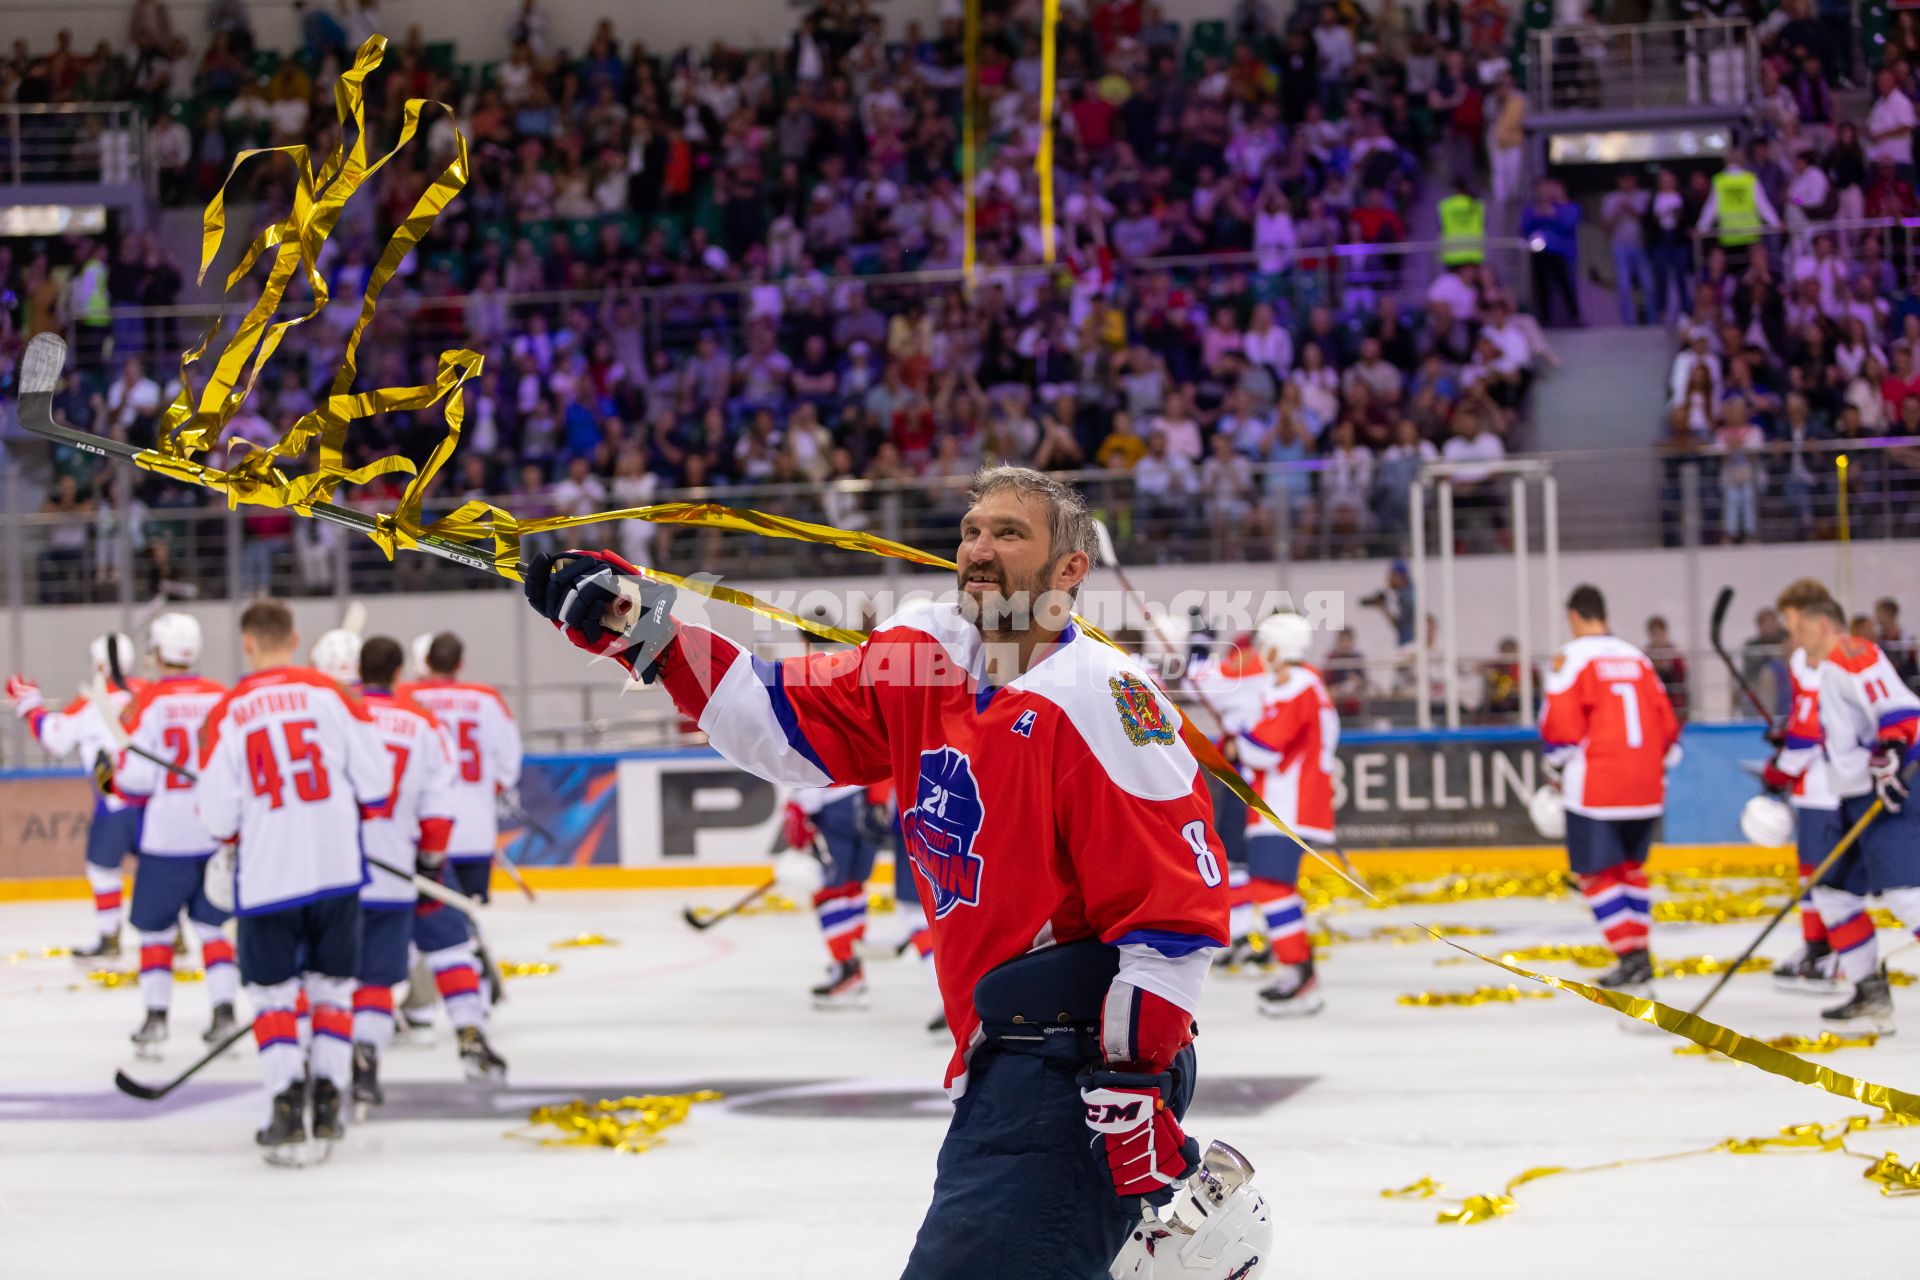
(1640,66)
(82,142)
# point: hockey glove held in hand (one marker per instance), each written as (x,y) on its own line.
(25,696)
(1147,1151)
(1884,767)
(602,604)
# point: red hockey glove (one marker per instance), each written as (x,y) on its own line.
(796,828)
(431,853)
(1147,1151)
(581,593)
(1776,781)
(1883,765)
(25,695)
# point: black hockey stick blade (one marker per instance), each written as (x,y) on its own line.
(40,370)
(1721,604)
(114,669)
(697,921)
(153,1093)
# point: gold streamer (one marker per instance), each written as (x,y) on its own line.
(113,979)
(1825,1042)
(527,968)
(1043,155)
(1895,1179)
(1479,995)
(768,904)
(631,1124)
(582,940)
(1424,1189)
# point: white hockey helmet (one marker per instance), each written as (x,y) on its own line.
(1283,637)
(1548,809)
(417,651)
(97,651)
(1767,822)
(1219,1228)
(337,656)
(218,882)
(175,639)
(798,873)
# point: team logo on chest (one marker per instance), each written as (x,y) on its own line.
(1140,712)
(941,827)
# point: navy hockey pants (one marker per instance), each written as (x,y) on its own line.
(471,874)
(1886,856)
(1023,1191)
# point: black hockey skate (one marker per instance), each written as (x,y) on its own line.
(1812,971)
(151,1035)
(1870,1009)
(1233,955)
(222,1026)
(283,1142)
(937,1024)
(1294,993)
(845,987)
(366,1079)
(1632,976)
(478,1057)
(327,1125)
(105,947)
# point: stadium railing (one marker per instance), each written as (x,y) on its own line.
(73,143)
(1641,66)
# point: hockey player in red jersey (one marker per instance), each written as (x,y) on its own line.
(114,833)
(289,765)
(410,830)
(164,721)
(1288,756)
(1061,831)
(1869,721)
(1609,736)
(1799,772)
(486,757)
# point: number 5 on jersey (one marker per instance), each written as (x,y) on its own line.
(304,766)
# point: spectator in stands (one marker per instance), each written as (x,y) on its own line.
(1669,664)
(1478,494)
(1763,662)
(1623,213)
(1346,672)
(1551,226)
(1742,474)
(1902,650)
(1890,125)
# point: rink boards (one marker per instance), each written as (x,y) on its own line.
(1408,801)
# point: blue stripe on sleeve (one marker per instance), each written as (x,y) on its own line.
(1169,944)
(1899,715)
(1797,743)
(773,677)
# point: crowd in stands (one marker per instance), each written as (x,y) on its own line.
(1198,321)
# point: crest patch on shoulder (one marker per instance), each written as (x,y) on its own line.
(1140,712)
(1559,662)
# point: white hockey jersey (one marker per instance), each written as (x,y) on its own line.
(1863,701)
(80,727)
(164,719)
(288,764)
(1804,755)
(486,758)
(418,814)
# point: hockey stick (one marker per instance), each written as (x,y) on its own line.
(153,1093)
(40,368)
(697,922)
(1720,607)
(513,874)
(1847,842)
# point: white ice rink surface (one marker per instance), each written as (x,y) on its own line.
(830,1180)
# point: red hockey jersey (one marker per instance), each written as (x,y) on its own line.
(1863,701)
(1289,754)
(1058,807)
(1608,724)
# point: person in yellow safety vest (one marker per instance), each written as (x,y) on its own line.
(1738,208)
(1463,227)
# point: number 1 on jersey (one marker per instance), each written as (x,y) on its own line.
(1629,695)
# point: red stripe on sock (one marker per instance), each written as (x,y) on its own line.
(1292,949)
(841,947)
(460,980)
(216,951)
(1625,936)
(107,901)
(275,1025)
(1851,932)
(157,956)
(1241,895)
(1268,890)
(332,1020)
(300,1006)
(1601,881)
(373,999)
(835,892)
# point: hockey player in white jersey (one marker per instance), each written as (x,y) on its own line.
(289,765)
(486,758)
(113,835)
(410,830)
(163,722)
(1869,720)
(1799,773)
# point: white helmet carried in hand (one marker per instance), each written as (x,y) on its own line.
(417,651)
(1548,809)
(1218,1228)
(98,651)
(1767,822)
(1284,637)
(798,873)
(337,656)
(218,882)
(175,639)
